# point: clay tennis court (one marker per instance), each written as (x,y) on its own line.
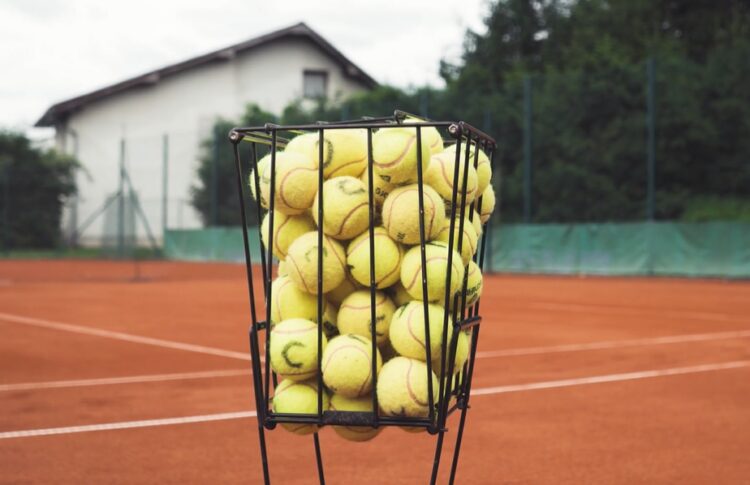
(107,379)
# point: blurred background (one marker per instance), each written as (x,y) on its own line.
(623,125)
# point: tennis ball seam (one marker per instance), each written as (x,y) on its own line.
(419,269)
(360,160)
(400,157)
(365,307)
(348,216)
(449,183)
(367,380)
(411,392)
(396,267)
(281,188)
(411,331)
(433,212)
(290,259)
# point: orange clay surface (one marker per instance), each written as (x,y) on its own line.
(578,380)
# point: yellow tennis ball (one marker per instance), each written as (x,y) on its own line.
(355,316)
(403,388)
(483,165)
(436,256)
(346,288)
(440,176)
(380,188)
(281,269)
(462,354)
(488,204)
(407,332)
(288,301)
(302,263)
(285,230)
(347,365)
(292,397)
(346,209)
(395,154)
(476,221)
(473,284)
(430,133)
(303,144)
(401,214)
(294,349)
(359,404)
(399,295)
(344,152)
(468,241)
(296,182)
(388,256)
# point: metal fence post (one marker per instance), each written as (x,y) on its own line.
(215,181)
(527,154)
(651,138)
(164,185)
(121,204)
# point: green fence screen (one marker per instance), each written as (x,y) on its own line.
(714,249)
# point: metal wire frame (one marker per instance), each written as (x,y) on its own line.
(466,137)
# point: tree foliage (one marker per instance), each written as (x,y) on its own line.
(33,187)
(586,62)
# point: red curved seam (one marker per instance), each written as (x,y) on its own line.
(399,158)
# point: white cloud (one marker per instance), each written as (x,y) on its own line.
(55,49)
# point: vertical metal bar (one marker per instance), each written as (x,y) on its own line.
(465,407)
(254,347)
(319,458)
(651,140)
(121,204)
(74,205)
(319,296)
(165,185)
(214,208)
(269,255)
(457,211)
(527,147)
(425,302)
(319,300)
(373,320)
(256,182)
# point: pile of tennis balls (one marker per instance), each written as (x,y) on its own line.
(401,353)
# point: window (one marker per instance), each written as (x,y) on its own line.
(315,84)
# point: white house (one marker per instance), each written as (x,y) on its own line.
(179,103)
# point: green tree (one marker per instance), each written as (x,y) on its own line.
(34,185)
(214,195)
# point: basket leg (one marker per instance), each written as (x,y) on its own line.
(457,450)
(263,453)
(438,454)
(319,459)
(465,407)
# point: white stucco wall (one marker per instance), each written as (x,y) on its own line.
(183,107)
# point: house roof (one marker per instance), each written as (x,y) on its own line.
(62,109)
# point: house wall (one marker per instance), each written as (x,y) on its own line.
(182,107)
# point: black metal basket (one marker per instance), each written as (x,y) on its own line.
(453,393)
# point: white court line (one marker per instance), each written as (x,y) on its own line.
(127,337)
(480,355)
(147,423)
(615,344)
(26,386)
(476,392)
(628,376)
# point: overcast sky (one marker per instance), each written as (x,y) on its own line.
(52,50)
